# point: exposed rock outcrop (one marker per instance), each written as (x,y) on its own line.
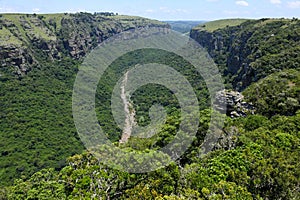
(252,50)
(228,47)
(235,104)
(27,41)
(16,59)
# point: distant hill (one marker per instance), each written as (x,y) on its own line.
(183,26)
(253,49)
(219,24)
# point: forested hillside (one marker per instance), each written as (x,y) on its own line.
(256,156)
(40,55)
(252,49)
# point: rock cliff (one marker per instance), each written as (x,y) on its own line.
(27,40)
(253,49)
(236,106)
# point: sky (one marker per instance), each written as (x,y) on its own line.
(162,9)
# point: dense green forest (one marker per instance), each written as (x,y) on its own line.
(42,157)
(40,55)
(257,159)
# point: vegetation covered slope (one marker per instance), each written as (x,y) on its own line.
(252,50)
(278,93)
(261,163)
(219,24)
(256,157)
(27,40)
(40,55)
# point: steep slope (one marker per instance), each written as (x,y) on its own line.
(251,50)
(278,93)
(27,40)
(40,55)
(256,157)
(262,162)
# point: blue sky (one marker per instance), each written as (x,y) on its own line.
(163,9)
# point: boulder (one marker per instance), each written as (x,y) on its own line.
(236,106)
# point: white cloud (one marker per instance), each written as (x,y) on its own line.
(36,10)
(275,1)
(150,11)
(242,3)
(234,13)
(181,11)
(230,12)
(75,10)
(164,9)
(294,4)
(7,10)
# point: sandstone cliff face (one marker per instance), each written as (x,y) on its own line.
(252,50)
(228,47)
(28,40)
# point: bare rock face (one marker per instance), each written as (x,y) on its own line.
(252,50)
(16,59)
(228,43)
(235,104)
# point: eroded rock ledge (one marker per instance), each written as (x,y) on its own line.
(236,106)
